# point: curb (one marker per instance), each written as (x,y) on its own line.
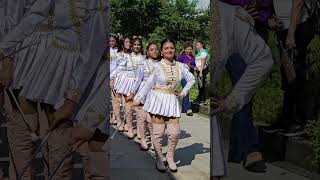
(277,147)
(202,109)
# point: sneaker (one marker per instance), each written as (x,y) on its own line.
(273,128)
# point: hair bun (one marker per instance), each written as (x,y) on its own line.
(120,37)
(137,37)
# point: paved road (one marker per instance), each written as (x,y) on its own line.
(192,155)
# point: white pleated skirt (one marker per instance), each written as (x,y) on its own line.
(49,81)
(124,84)
(27,59)
(163,104)
(142,84)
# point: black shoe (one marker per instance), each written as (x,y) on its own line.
(275,127)
(256,163)
(173,170)
(160,169)
(256,167)
(293,130)
(189,112)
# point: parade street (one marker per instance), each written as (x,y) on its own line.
(192,157)
(192,154)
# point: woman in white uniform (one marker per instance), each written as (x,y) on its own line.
(116,100)
(144,118)
(62,73)
(162,101)
(126,79)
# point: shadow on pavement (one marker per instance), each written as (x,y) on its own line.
(187,154)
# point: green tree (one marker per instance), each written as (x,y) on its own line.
(135,17)
(157,19)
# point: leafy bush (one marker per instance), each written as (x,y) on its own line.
(313,129)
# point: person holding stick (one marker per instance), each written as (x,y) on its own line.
(57,91)
(234,34)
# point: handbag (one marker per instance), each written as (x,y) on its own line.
(287,61)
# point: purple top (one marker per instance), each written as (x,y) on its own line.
(184,58)
(266,10)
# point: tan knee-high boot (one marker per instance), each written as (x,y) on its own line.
(158,131)
(129,109)
(149,123)
(21,144)
(138,116)
(116,108)
(142,128)
(58,143)
(98,164)
(173,137)
(150,130)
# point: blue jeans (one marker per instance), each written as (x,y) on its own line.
(243,137)
(185,101)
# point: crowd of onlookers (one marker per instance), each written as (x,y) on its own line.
(198,63)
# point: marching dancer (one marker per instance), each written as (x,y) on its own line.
(234,34)
(143,117)
(138,59)
(126,72)
(61,74)
(118,68)
(116,98)
(27,54)
(92,128)
(162,101)
(91,123)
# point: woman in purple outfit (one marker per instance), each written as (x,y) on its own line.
(187,57)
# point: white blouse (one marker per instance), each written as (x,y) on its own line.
(283,12)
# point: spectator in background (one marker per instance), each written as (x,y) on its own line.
(294,36)
(260,10)
(244,141)
(235,35)
(187,57)
(202,59)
